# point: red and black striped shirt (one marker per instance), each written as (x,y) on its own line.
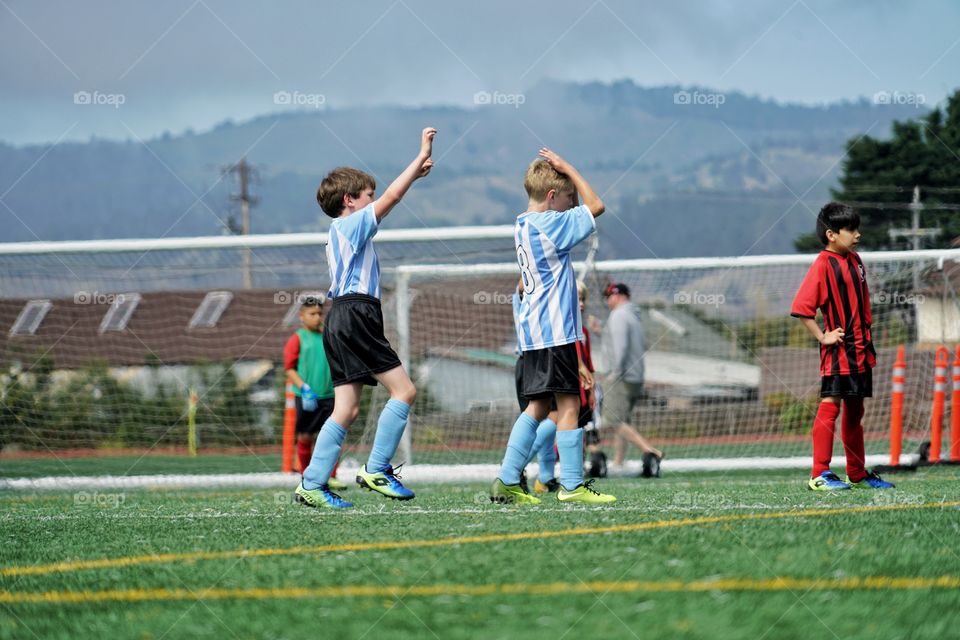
(837,286)
(583,350)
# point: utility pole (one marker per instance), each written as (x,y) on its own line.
(915,233)
(246,175)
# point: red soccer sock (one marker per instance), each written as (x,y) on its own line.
(333,474)
(851,432)
(304,453)
(823,427)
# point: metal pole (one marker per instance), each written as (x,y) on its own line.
(245,221)
(915,207)
(405,450)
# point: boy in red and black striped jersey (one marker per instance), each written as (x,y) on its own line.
(836,285)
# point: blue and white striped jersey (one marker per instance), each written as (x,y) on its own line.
(550,311)
(516,315)
(353,261)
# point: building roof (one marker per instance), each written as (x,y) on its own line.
(445,315)
(951,269)
(158,330)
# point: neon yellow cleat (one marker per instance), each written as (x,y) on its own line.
(337,485)
(550,487)
(586,494)
(321,497)
(510,494)
(386,482)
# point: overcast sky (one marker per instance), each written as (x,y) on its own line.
(181,64)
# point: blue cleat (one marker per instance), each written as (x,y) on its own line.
(321,497)
(872,481)
(386,482)
(827,481)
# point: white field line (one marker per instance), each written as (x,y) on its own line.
(421,473)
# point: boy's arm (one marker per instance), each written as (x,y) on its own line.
(828,338)
(586,376)
(586,192)
(291,357)
(418,168)
(294,378)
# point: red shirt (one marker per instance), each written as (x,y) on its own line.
(583,350)
(837,286)
(291,353)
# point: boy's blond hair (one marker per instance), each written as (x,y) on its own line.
(541,178)
(340,182)
(581,290)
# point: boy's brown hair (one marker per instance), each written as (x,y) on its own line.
(541,178)
(340,182)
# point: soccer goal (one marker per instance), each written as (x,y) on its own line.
(731,379)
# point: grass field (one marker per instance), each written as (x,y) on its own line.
(689,556)
(137,464)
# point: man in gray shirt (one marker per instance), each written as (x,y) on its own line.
(623,386)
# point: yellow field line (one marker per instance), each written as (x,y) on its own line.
(871,583)
(128,561)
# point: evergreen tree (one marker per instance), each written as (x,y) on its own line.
(924,152)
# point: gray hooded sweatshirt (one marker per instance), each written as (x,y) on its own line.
(625,346)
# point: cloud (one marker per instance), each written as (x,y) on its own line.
(193,63)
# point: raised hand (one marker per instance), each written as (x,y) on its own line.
(426,142)
(425,168)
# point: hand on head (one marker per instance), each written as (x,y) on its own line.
(554,159)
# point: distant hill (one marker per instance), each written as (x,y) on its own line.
(679,179)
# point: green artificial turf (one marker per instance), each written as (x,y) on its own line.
(212,462)
(603,575)
(138,465)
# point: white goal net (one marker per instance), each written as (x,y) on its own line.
(731,379)
(103,343)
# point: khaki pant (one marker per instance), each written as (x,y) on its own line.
(619,400)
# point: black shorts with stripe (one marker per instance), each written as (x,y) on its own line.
(550,371)
(312,421)
(518,376)
(854,385)
(354,342)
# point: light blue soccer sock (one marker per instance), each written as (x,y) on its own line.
(570,444)
(326,452)
(393,420)
(543,447)
(522,437)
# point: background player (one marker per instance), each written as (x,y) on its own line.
(306,368)
(836,284)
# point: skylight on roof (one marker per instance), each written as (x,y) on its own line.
(120,312)
(30,318)
(208,313)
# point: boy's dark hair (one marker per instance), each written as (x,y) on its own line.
(340,182)
(311,301)
(835,216)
